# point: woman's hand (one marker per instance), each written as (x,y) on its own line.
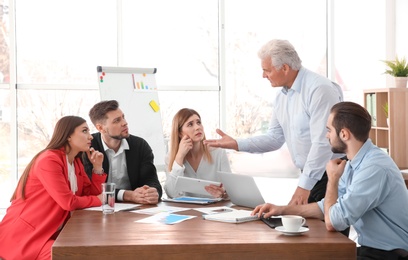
(216,191)
(186,144)
(96,158)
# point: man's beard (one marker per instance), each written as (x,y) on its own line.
(118,137)
(341,147)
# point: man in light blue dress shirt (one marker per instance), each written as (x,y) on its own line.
(367,192)
(300,112)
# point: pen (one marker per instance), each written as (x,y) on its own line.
(130,209)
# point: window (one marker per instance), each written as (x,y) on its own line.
(39,111)
(183,46)
(7,177)
(401,25)
(62,42)
(179,38)
(4,43)
(59,44)
(359,46)
(249,96)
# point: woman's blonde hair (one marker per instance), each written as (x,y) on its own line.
(178,121)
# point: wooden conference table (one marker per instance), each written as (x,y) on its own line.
(92,235)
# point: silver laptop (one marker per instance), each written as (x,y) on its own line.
(242,189)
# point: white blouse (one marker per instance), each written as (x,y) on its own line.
(72,177)
(205,171)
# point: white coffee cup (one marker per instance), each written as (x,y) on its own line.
(292,223)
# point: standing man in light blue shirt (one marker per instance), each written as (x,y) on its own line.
(367,192)
(300,112)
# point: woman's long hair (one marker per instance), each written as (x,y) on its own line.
(63,130)
(178,121)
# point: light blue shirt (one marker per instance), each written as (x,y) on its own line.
(374,199)
(299,118)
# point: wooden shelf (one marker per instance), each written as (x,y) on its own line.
(393,137)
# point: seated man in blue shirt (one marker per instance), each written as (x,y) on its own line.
(367,192)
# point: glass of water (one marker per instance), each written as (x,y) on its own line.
(108,198)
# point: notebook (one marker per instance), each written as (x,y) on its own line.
(242,189)
(234,216)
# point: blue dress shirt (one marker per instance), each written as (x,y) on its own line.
(299,117)
(374,199)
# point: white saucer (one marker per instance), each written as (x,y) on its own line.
(292,233)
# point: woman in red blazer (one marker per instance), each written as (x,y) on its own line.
(53,185)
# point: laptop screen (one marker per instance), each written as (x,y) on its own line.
(249,191)
(242,189)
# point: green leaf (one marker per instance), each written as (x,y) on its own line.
(397,67)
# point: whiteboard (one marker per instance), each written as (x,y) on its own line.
(136,91)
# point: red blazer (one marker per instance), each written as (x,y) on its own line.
(30,223)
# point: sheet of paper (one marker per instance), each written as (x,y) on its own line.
(234,216)
(161,209)
(165,218)
(118,207)
(174,219)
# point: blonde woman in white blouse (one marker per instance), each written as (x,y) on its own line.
(189,157)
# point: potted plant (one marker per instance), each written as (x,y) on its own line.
(398,68)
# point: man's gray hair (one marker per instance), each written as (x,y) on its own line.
(280,52)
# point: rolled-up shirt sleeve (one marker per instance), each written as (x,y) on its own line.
(271,141)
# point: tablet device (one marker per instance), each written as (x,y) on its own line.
(192,200)
(193,185)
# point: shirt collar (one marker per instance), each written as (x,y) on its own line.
(296,84)
(361,154)
(123,146)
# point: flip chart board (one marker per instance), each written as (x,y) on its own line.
(136,91)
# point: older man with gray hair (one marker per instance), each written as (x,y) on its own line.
(299,118)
